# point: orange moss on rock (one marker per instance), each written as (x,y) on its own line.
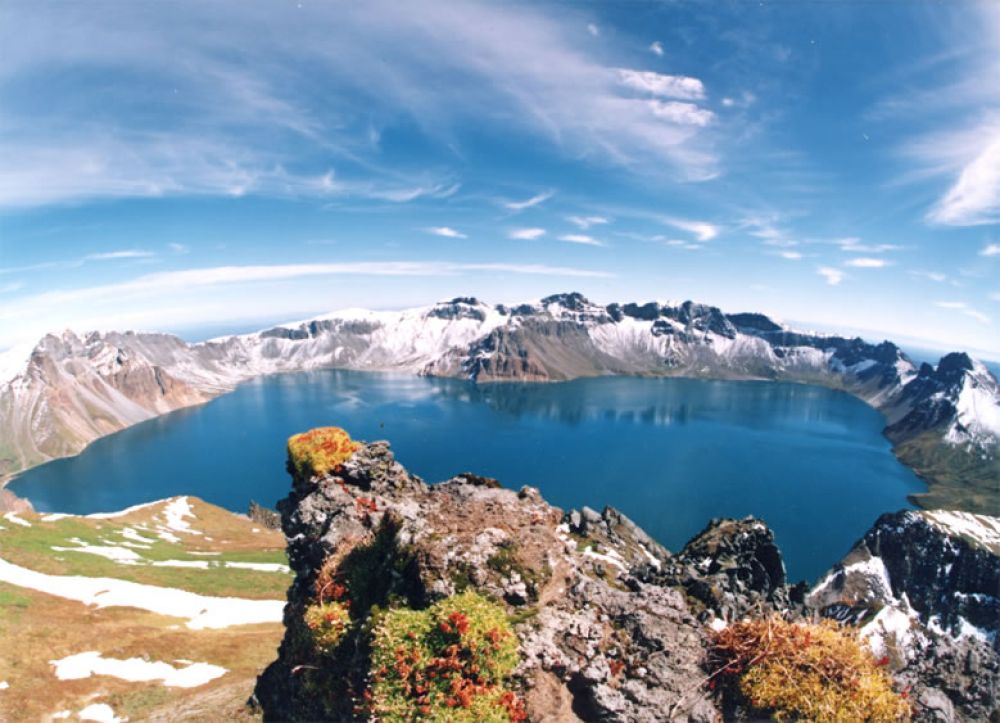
(319,451)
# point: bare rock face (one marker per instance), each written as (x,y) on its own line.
(924,589)
(596,641)
(731,569)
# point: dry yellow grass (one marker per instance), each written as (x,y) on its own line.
(816,672)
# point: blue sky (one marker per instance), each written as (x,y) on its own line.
(189,165)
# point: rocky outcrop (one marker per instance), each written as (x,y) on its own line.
(924,588)
(597,642)
(612,626)
(732,569)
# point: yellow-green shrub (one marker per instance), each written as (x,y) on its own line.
(327,623)
(319,450)
(450,662)
(802,671)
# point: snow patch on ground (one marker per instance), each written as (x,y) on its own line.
(891,628)
(101,712)
(200,564)
(12,517)
(201,611)
(982,528)
(260,566)
(176,511)
(121,555)
(84,665)
(55,517)
(612,558)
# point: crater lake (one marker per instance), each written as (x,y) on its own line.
(669,453)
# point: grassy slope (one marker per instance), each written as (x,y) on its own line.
(36,627)
(956,479)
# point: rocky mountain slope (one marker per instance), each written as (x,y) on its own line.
(944,421)
(608,624)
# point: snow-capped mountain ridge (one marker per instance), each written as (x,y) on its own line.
(74,388)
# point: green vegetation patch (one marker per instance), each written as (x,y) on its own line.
(450,662)
(33,548)
(327,623)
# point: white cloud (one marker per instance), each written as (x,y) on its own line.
(864,262)
(995,296)
(965,309)
(254,117)
(681,113)
(535,200)
(577,238)
(445,231)
(116,255)
(974,197)
(656,48)
(990,250)
(833,276)
(665,86)
(526,234)
(790,255)
(765,227)
(854,245)
(593,30)
(586,222)
(702,230)
(178,248)
(935,276)
(728,102)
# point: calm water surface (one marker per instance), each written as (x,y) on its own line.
(669,453)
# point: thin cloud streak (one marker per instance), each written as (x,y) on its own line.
(445,231)
(536,200)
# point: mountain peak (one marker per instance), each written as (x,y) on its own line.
(573,300)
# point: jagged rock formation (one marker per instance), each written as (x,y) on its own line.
(611,625)
(925,587)
(945,421)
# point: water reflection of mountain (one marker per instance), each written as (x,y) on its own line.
(658,402)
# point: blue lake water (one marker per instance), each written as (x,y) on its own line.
(669,453)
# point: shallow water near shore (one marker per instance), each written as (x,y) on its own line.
(669,453)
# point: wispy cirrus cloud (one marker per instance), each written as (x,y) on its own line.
(958,146)
(585,222)
(526,234)
(964,308)
(319,85)
(536,200)
(582,239)
(445,231)
(701,230)
(855,245)
(117,255)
